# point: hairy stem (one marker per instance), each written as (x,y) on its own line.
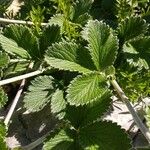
(21,77)
(12,21)
(136,118)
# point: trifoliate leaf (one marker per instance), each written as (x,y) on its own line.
(3,98)
(86,89)
(61,141)
(105,135)
(83,115)
(11,47)
(131,28)
(103,45)
(2,137)
(64,56)
(24,38)
(58,104)
(50,35)
(39,93)
(4,59)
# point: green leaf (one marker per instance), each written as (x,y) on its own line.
(64,56)
(138,52)
(105,135)
(131,28)
(3,98)
(11,47)
(82,115)
(2,137)
(39,93)
(57,19)
(24,38)
(81,9)
(86,89)
(61,141)
(58,104)
(50,35)
(4,59)
(103,45)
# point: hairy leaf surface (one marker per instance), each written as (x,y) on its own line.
(138,52)
(64,56)
(103,45)
(58,104)
(3,98)
(87,88)
(39,93)
(86,114)
(106,135)
(24,38)
(131,28)
(50,35)
(61,141)
(2,137)
(11,47)
(4,59)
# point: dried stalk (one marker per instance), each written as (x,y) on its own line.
(21,77)
(136,118)
(12,21)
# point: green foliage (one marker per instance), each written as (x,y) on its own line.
(86,89)
(102,45)
(98,134)
(24,37)
(3,98)
(2,136)
(58,104)
(79,56)
(39,93)
(11,47)
(4,59)
(64,56)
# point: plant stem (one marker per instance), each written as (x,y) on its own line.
(35,143)
(136,118)
(15,101)
(21,77)
(12,21)
(18,60)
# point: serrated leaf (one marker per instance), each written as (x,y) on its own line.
(2,137)
(11,47)
(57,19)
(137,52)
(131,28)
(81,9)
(50,35)
(82,115)
(58,104)
(105,135)
(4,59)
(24,38)
(61,141)
(39,93)
(64,56)
(86,89)
(14,69)
(103,45)
(3,98)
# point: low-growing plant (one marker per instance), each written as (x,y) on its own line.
(76,60)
